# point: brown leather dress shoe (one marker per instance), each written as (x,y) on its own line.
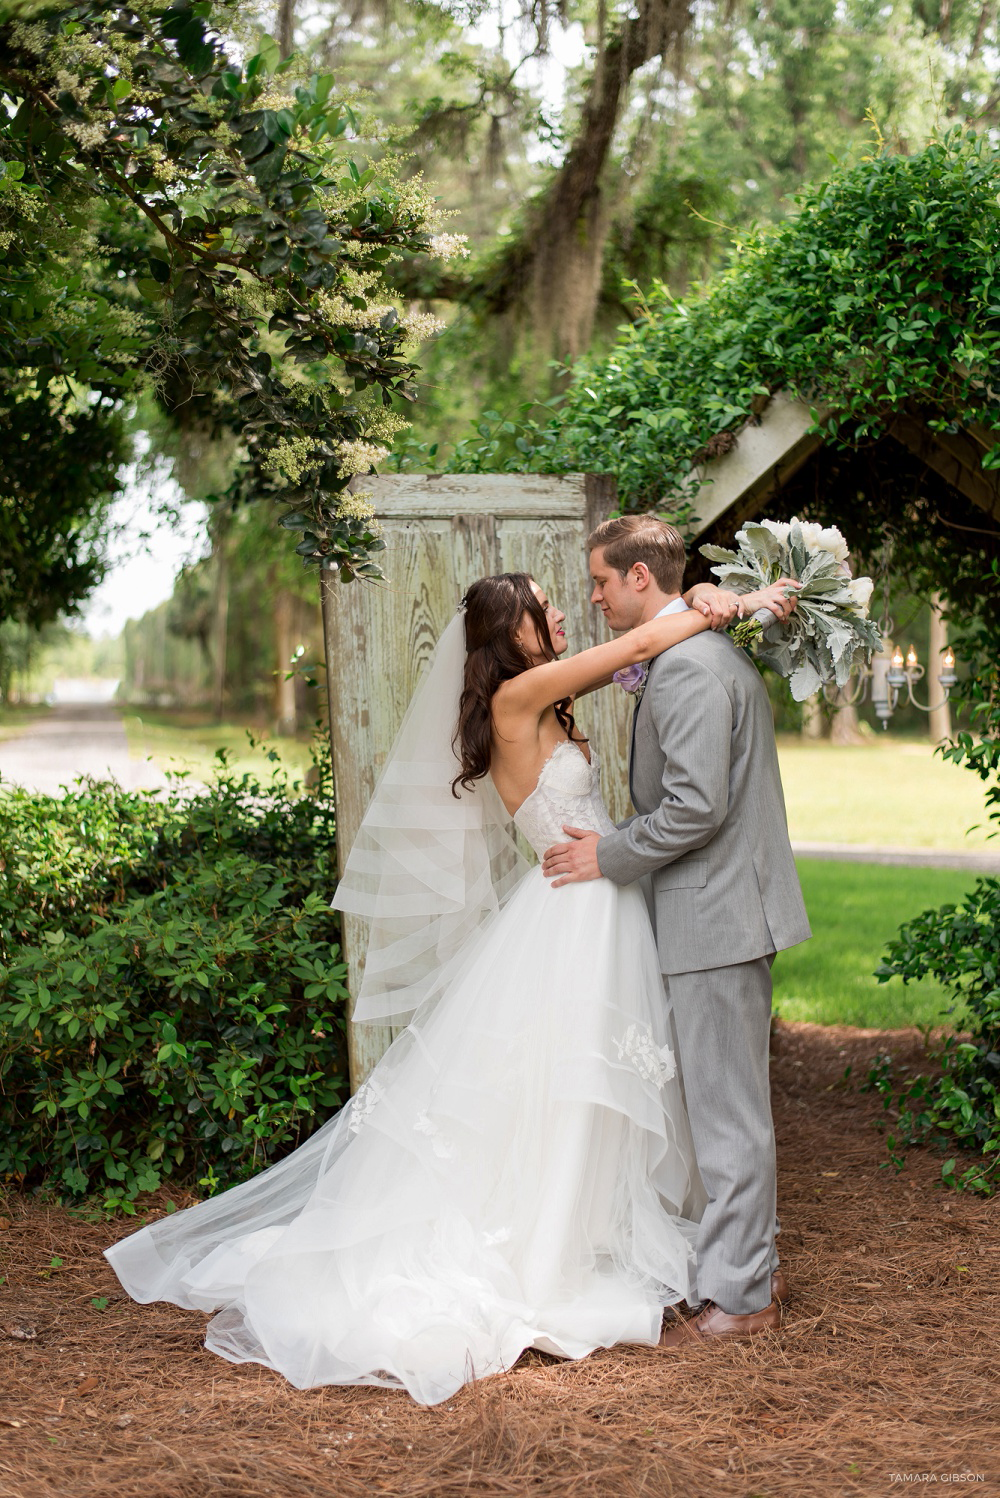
(714,1322)
(779,1286)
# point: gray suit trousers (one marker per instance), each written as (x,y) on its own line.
(723,1021)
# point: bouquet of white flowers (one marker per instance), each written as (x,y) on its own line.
(829,633)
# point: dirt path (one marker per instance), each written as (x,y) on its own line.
(914,858)
(78,739)
(883,1374)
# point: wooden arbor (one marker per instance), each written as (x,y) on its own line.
(771,457)
(778,461)
(442,532)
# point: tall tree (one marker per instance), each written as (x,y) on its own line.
(247,260)
(60,473)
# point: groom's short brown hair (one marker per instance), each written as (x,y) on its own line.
(627,539)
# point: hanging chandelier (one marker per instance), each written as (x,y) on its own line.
(890,679)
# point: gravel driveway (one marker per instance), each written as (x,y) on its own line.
(76,739)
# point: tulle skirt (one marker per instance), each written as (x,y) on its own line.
(516,1172)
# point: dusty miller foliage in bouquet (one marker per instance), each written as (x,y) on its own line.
(829,634)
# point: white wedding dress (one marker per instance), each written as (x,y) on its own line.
(516,1172)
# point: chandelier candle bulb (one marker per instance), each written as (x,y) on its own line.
(948,677)
(896,674)
(911,659)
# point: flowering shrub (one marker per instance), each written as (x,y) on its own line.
(171,986)
(174,219)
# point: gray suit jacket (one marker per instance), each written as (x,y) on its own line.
(711,829)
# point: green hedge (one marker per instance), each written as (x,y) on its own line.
(171,985)
(957,1107)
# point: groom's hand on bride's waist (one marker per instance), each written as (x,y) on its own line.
(572,863)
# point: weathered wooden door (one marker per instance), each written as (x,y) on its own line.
(442,532)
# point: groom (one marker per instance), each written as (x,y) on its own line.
(711,833)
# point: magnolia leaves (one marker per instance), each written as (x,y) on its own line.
(232,231)
(185,24)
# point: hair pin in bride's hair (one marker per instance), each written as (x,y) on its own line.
(462,604)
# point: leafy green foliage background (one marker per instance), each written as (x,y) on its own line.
(960,1105)
(176,221)
(878,295)
(171,988)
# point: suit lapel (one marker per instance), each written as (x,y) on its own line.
(631,750)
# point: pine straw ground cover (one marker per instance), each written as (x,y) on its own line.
(884,1370)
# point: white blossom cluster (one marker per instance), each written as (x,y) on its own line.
(355,282)
(131,324)
(87,136)
(358,507)
(336,309)
(449,246)
(359,457)
(290,456)
(381,424)
(275,97)
(31,37)
(72,85)
(421,325)
(816,537)
(250,296)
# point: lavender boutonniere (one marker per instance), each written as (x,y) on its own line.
(633,679)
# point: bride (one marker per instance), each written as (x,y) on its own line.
(517,1171)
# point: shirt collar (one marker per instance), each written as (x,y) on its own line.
(678,606)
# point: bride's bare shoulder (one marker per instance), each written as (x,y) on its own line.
(509,699)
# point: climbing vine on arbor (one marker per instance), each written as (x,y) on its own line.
(879,295)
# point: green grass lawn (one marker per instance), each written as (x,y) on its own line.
(892,792)
(186,741)
(854,909)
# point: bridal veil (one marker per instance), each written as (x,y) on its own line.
(427,867)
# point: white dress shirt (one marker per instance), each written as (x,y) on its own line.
(678,606)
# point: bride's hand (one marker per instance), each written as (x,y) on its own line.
(774,597)
(719,605)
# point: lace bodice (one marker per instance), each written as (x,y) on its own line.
(568,793)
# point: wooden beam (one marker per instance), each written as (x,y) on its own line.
(765,456)
(505,496)
(956,457)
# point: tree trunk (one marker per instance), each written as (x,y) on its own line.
(981,25)
(549,276)
(285,712)
(939,725)
(813,717)
(221,624)
(285,27)
(844,730)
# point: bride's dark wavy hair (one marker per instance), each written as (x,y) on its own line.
(494,609)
